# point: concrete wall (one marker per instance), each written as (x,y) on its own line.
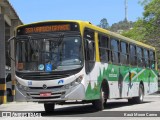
(2,60)
(9,20)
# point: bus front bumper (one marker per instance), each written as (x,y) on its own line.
(56,95)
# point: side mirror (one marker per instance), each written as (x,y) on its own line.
(9,48)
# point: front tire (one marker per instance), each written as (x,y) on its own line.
(49,107)
(99,104)
(140,98)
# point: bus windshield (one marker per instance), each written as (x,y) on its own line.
(49,54)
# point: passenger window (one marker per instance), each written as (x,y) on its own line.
(115,50)
(123,55)
(90,45)
(139,57)
(103,41)
(146,58)
(89,50)
(152,59)
(133,58)
(103,48)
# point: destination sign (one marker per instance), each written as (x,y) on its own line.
(47,27)
(51,28)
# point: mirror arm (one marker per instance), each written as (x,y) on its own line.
(8,42)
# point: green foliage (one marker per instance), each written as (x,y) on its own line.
(104,24)
(147,28)
(137,32)
(116,27)
(152,20)
(144,2)
(121,26)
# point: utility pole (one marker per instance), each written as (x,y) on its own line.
(126,9)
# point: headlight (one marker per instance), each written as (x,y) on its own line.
(19,85)
(79,79)
(24,88)
(74,83)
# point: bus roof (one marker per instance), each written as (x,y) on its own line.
(96,28)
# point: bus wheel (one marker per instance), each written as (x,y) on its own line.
(49,107)
(139,99)
(99,104)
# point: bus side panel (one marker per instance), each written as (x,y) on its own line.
(123,81)
(94,79)
(146,81)
(113,77)
(153,81)
(130,82)
(128,77)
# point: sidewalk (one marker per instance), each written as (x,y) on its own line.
(21,106)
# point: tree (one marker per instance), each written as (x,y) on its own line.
(104,24)
(144,2)
(147,28)
(122,25)
(137,32)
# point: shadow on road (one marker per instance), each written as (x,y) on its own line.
(86,110)
(112,105)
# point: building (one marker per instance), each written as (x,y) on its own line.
(8,21)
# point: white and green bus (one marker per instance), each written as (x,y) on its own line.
(60,61)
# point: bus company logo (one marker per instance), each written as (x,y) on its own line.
(113,74)
(112,71)
(44,86)
(60,82)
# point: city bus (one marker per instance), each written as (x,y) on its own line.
(71,60)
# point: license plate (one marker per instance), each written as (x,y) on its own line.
(45,94)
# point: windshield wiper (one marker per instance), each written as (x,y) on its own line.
(60,39)
(35,44)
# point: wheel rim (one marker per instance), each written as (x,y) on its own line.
(141,94)
(102,93)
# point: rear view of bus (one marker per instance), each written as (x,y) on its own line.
(49,63)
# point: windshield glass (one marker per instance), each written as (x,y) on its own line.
(49,54)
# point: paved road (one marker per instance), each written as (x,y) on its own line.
(115,108)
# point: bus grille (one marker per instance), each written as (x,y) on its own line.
(42,76)
(54,95)
(47,87)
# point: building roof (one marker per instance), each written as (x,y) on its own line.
(10,11)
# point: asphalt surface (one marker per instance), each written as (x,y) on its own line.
(114,109)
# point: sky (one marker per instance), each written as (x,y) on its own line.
(88,10)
